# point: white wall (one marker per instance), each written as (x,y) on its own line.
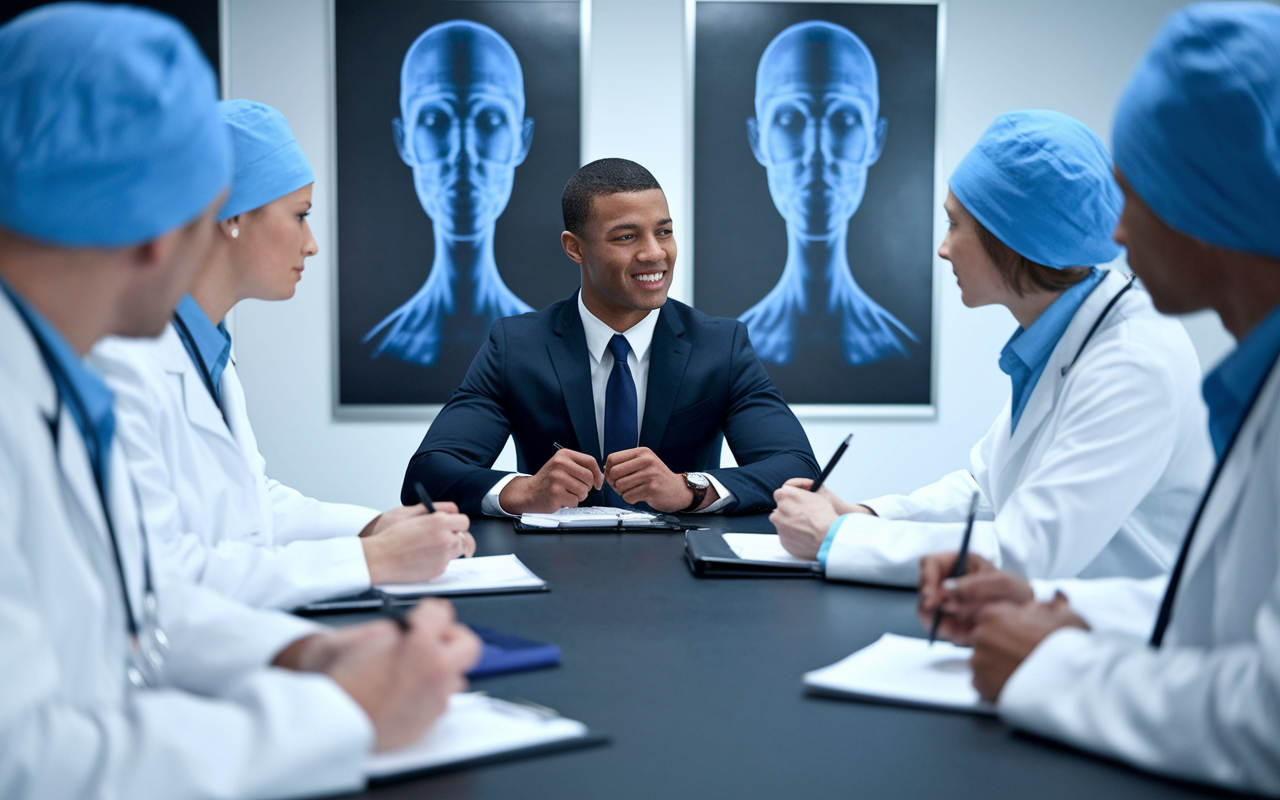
(1073,56)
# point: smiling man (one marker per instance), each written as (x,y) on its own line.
(616,395)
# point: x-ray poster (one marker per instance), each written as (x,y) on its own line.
(814,149)
(457,127)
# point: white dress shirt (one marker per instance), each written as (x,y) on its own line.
(599,334)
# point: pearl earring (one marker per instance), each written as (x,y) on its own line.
(235,233)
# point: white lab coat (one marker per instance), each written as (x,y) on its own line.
(1206,705)
(214,516)
(1100,478)
(71,727)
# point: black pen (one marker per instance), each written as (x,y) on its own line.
(831,464)
(557,445)
(397,614)
(962,561)
(424,498)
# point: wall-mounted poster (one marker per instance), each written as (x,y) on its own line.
(814,178)
(457,127)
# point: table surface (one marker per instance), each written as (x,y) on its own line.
(698,684)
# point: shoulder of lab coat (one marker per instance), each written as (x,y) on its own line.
(1099,479)
(1206,705)
(204,491)
(1123,606)
(72,728)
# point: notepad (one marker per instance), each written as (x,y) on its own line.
(762,547)
(480,575)
(907,671)
(477,728)
(589,517)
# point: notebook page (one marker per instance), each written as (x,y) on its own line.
(762,547)
(469,575)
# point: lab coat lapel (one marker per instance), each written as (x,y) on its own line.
(572,363)
(1236,471)
(201,410)
(668,357)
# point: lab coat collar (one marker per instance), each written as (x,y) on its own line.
(1044,395)
(200,407)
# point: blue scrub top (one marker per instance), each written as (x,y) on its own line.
(209,345)
(1027,352)
(1230,388)
(84,394)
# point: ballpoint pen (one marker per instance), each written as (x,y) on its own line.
(424,498)
(962,561)
(831,464)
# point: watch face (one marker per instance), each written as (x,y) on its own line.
(697,480)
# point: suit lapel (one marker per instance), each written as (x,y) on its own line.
(668,357)
(572,363)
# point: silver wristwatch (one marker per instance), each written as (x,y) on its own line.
(698,483)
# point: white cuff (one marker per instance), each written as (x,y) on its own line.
(725,496)
(490,504)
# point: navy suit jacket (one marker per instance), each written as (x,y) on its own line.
(532,379)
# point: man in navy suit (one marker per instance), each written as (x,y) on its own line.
(616,375)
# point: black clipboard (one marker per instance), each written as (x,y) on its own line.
(709,556)
(373,599)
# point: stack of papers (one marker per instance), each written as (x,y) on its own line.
(904,670)
(477,727)
(590,517)
(765,547)
(481,575)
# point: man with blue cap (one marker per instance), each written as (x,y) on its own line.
(212,513)
(1093,466)
(113,162)
(1194,695)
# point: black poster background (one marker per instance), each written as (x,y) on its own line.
(385,243)
(741,242)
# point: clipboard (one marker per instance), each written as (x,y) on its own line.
(709,556)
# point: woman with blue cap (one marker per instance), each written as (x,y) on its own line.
(1093,466)
(1196,694)
(113,163)
(213,514)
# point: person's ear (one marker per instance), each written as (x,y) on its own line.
(753,138)
(397,132)
(882,125)
(156,252)
(230,227)
(572,247)
(526,140)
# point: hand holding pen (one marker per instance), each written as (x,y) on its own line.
(961,561)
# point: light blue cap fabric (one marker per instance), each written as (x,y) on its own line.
(1042,183)
(109,130)
(1197,130)
(269,160)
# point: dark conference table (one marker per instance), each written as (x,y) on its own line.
(698,684)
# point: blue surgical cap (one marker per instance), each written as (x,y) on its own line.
(269,161)
(1041,182)
(1197,131)
(109,130)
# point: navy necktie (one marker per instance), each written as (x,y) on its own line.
(621,423)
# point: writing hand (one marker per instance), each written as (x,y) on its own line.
(802,519)
(1006,633)
(563,481)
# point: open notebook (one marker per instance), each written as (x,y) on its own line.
(588,519)
(479,575)
(906,671)
(479,729)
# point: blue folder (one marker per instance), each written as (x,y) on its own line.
(504,652)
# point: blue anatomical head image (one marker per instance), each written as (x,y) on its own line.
(462,126)
(817,127)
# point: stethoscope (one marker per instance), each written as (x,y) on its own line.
(148,644)
(1098,323)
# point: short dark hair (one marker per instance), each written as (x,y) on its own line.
(599,178)
(1021,273)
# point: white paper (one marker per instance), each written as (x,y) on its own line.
(475,725)
(762,547)
(906,670)
(469,575)
(587,516)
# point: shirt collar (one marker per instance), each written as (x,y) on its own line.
(640,335)
(87,398)
(211,341)
(1034,345)
(1230,387)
